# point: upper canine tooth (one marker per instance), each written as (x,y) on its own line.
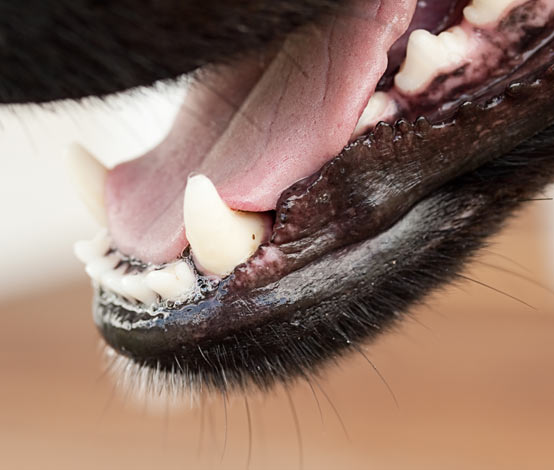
(220,238)
(483,12)
(427,55)
(90,178)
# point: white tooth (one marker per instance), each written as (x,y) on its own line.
(171,283)
(484,12)
(427,55)
(135,286)
(220,238)
(89,176)
(112,280)
(89,250)
(97,268)
(379,107)
(184,273)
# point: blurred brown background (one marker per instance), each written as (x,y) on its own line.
(472,373)
(471,370)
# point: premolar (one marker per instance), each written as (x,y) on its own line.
(428,55)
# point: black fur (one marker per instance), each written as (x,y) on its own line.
(55,49)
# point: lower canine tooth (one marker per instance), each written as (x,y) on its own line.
(220,238)
(90,250)
(380,107)
(484,12)
(90,178)
(427,55)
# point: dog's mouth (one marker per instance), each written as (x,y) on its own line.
(279,221)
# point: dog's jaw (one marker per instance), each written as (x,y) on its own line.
(355,242)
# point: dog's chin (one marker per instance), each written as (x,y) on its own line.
(339,174)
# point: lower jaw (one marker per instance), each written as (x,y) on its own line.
(372,285)
(372,249)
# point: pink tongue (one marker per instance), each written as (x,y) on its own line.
(255,129)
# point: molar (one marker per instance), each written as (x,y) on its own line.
(89,176)
(486,12)
(220,238)
(427,55)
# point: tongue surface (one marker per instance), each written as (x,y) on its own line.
(257,127)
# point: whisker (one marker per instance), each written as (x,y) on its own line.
(165,432)
(316,400)
(507,258)
(536,199)
(249,421)
(334,408)
(202,425)
(225,423)
(494,289)
(376,370)
(518,275)
(297,428)
(107,369)
(108,404)
(211,426)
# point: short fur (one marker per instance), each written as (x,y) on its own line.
(56,49)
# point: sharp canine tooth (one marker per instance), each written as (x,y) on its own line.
(90,178)
(427,55)
(171,282)
(220,238)
(90,250)
(483,12)
(135,286)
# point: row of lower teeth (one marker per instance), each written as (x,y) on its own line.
(429,56)
(176,282)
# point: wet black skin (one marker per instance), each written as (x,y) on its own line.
(395,215)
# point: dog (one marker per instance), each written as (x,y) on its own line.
(365,175)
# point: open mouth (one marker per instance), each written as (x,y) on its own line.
(309,194)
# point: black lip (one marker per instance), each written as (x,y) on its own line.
(393,216)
